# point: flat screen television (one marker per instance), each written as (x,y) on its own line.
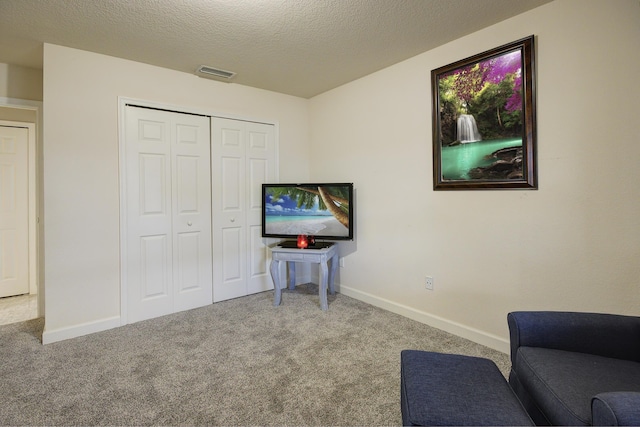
(324,210)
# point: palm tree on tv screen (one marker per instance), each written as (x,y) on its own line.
(333,199)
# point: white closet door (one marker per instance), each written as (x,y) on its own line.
(191,172)
(261,161)
(243,157)
(168,243)
(14,211)
(229,207)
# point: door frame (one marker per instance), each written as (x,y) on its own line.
(36,228)
(123,102)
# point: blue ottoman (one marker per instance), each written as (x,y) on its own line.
(439,389)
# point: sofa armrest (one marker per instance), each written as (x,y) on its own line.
(616,409)
(609,335)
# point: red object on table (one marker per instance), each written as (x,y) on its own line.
(303,242)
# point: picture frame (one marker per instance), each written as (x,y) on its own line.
(484,120)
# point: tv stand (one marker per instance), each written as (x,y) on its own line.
(322,256)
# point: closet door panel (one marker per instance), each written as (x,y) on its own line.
(167,247)
(231,191)
(149,278)
(232,271)
(243,158)
(228,175)
(260,158)
(187,184)
(188,261)
(153,185)
(155,267)
(191,157)
(259,254)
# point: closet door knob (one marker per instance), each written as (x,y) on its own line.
(233,220)
(189,223)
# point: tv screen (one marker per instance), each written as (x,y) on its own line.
(324,211)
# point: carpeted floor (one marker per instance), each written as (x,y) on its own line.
(236,363)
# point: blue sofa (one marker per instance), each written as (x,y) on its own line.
(576,368)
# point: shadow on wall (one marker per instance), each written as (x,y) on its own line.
(20,82)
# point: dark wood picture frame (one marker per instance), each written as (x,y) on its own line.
(484,120)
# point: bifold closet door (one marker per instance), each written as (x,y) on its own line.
(243,158)
(168,213)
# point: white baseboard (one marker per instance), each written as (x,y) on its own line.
(51,336)
(475,335)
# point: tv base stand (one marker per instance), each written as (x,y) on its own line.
(320,256)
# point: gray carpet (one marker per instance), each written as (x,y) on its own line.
(236,363)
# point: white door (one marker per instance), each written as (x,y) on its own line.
(243,158)
(14,211)
(168,220)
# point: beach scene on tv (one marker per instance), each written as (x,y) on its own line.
(312,210)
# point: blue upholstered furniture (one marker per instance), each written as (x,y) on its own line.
(576,368)
(438,389)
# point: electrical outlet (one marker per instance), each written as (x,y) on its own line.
(428,283)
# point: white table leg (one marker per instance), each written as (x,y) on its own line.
(335,260)
(292,275)
(324,276)
(275,275)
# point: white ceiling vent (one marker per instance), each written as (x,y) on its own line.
(214,73)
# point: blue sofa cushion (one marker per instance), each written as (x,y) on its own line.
(456,390)
(616,409)
(564,382)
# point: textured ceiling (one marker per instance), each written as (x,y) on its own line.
(296,47)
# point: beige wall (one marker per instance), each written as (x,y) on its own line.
(574,244)
(20,82)
(81,188)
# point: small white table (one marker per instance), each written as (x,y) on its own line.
(292,255)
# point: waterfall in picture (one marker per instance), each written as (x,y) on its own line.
(468,129)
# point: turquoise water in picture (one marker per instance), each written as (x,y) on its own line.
(314,225)
(292,218)
(458,160)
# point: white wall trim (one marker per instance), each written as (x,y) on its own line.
(122,158)
(475,335)
(62,334)
(20,103)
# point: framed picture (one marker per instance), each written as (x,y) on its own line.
(484,120)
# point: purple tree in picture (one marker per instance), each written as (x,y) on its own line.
(499,68)
(470,80)
(487,92)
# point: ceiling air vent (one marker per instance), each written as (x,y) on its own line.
(214,73)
